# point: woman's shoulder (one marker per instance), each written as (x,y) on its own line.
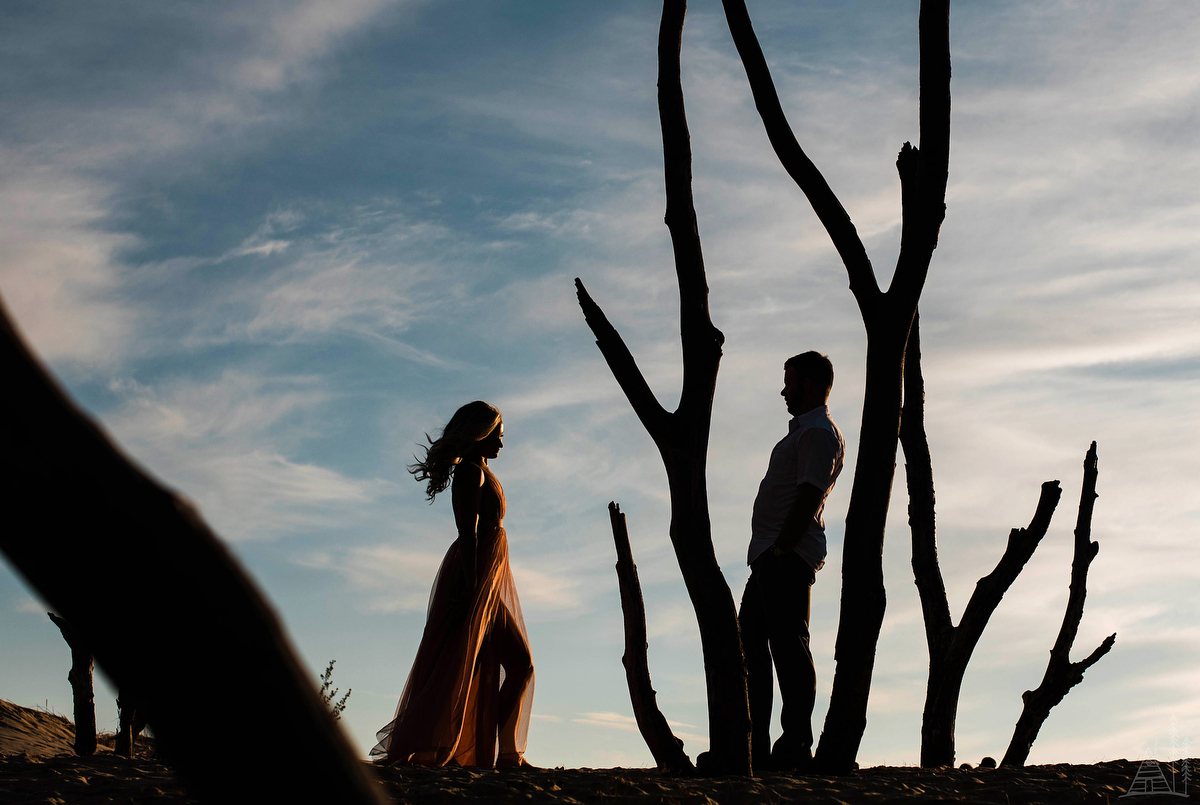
(468,471)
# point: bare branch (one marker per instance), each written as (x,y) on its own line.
(1085,552)
(924,183)
(918,468)
(1091,659)
(624,368)
(824,201)
(991,588)
(701,341)
(934,25)
(1062,674)
(664,746)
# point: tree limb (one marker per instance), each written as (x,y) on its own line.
(806,175)
(991,588)
(1062,674)
(624,368)
(918,468)
(664,746)
(700,340)
(926,185)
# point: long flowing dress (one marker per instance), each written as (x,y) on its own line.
(449,710)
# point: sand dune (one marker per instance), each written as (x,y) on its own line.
(33,732)
(36,765)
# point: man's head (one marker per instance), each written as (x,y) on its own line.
(807,379)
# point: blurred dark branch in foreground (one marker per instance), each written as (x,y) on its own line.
(147,586)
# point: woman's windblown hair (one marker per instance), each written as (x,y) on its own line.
(470,424)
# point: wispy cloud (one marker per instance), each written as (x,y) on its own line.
(30,606)
(214,440)
(394,579)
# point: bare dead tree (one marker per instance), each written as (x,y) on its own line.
(99,538)
(887,317)
(951,646)
(82,688)
(682,435)
(1062,674)
(664,746)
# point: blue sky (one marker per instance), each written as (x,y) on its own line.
(271,244)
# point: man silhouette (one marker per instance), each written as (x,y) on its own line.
(787,548)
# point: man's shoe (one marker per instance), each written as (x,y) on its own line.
(795,761)
(709,764)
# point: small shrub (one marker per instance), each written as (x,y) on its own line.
(329,693)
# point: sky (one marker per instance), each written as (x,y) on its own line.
(270,245)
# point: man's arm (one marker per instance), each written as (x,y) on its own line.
(802,513)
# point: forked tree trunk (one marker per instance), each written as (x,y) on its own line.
(887,317)
(82,689)
(682,435)
(1062,674)
(950,646)
(664,746)
(103,537)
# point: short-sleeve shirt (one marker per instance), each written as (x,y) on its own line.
(812,453)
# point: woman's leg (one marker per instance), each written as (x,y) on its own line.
(518,671)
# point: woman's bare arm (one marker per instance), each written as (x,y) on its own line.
(464,494)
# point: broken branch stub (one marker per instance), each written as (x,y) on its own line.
(664,746)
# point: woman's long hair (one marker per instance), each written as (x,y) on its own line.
(470,424)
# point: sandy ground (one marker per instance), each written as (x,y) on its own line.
(36,766)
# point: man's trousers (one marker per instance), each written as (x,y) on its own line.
(774,625)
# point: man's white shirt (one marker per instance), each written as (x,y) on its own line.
(812,453)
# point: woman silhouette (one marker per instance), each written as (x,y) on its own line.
(472,680)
